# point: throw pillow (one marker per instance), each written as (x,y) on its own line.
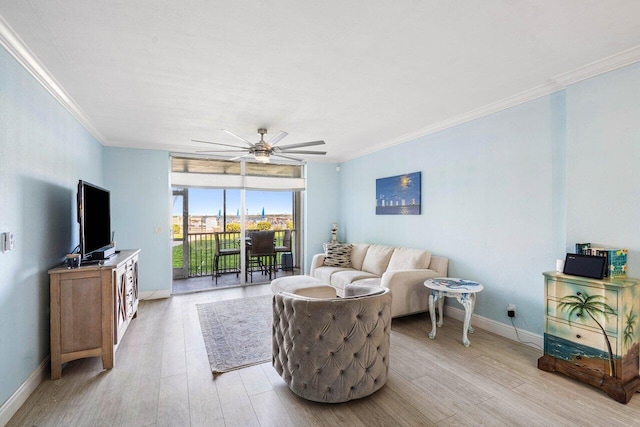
(377,259)
(409,259)
(337,255)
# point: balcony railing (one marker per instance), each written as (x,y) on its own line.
(202,249)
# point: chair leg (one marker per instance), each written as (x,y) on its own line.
(215,268)
(272,262)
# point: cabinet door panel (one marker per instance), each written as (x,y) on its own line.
(120,304)
(80,314)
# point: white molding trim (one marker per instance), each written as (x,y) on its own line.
(163,293)
(486,110)
(610,63)
(19,50)
(556,83)
(502,329)
(17,399)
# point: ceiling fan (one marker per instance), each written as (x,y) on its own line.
(262,149)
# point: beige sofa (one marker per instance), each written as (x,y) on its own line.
(401,270)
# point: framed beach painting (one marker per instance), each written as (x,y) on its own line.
(399,195)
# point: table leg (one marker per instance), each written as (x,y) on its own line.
(473,307)
(432,314)
(467,302)
(440,310)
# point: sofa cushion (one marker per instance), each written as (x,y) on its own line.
(377,259)
(340,279)
(324,273)
(409,259)
(337,255)
(358,252)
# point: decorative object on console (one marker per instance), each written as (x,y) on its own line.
(591,332)
(399,195)
(616,265)
(73,260)
(334,233)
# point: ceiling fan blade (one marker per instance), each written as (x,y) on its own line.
(303,152)
(222,151)
(277,137)
(239,157)
(302,144)
(216,143)
(239,137)
(287,157)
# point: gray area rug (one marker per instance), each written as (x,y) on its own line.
(237,333)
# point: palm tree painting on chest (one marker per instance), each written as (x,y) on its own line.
(593,311)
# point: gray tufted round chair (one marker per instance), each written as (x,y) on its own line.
(332,350)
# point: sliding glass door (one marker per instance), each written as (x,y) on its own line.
(218,204)
(199,214)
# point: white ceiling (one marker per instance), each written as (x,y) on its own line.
(362,75)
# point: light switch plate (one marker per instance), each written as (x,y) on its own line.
(7,242)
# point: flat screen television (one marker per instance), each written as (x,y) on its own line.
(94,218)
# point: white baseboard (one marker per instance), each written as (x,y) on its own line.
(502,329)
(165,293)
(17,399)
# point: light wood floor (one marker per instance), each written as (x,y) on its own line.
(162,377)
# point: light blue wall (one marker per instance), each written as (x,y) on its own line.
(603,174)
(44,151)
(507,194)
(321,207)
(490,202)
(141,213)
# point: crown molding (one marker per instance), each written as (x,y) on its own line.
(486,110)
(556,83)
(610,63)
(19,50)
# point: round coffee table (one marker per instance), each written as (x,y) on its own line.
(463,290)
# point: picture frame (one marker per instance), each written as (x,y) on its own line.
(399,195)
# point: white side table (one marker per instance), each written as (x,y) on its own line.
(463,290)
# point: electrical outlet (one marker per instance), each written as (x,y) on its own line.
(511,310)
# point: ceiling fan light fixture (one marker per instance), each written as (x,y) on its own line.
(261,156)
